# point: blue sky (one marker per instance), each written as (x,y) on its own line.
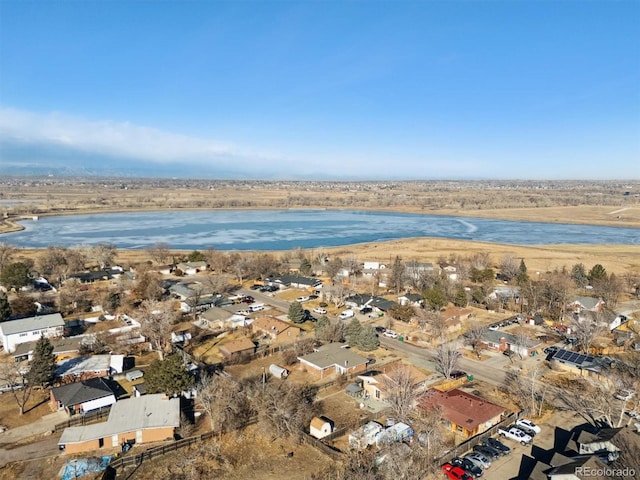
(326,89)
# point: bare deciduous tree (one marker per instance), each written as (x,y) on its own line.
(223,401)
(526,389)
(159,252)
(156,321)
(594,402)
(401,392)
(446,357)
(473,337)
(509,266)
(15,375)
(6,254)
(285,409)
(586,327)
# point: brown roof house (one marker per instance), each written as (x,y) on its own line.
(379,382)
(454,316)
(333,358)
(150,418)
(467,414)
(237,348)
(277,330)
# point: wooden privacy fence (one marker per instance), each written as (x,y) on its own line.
(155,452)
(83,419)
(476,439)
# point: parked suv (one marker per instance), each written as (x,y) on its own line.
(497,444)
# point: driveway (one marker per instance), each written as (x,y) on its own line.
(19,436)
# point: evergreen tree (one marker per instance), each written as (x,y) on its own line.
(42,369)
(305,266)
(460,300)
(352,331)
(296,312)
(367,339)
(579,275)
(168,376)
(397,275)
(435,297)
(597,274)
(522,278)
(322,323)
(15,275)
(5,308)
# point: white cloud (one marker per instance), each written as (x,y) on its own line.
(122,139)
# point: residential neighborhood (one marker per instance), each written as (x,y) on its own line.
(151,360)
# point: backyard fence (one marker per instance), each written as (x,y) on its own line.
(476,439)
(83,419)
(155,452)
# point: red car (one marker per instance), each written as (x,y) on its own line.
(455,473)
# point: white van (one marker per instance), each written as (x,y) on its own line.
(347,314)
(256,307)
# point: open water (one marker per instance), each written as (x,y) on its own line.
(288,229)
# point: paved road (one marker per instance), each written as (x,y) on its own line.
(491,371)
(31,451)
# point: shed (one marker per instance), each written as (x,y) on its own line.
(278,371)
(321,427)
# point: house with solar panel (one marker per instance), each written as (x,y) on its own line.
(580,363)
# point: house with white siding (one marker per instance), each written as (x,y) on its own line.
(25,330)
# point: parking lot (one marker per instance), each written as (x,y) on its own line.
(508,466)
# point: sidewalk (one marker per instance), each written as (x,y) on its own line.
(44,425)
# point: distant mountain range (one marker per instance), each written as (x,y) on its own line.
(20,160)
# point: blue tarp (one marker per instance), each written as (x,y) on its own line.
(84,466)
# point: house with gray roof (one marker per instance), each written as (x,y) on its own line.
(500,341)
(82,397)
(149,418)
(63,348)
(333,358)
(592,304)
(25,330)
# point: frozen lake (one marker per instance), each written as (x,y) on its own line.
(289,229)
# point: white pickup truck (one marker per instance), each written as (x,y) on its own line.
(516,434)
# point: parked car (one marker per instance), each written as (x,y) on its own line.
(380,329)
(366,310)
(390,334)
(488,452)
(509,353)
(468,466)
(457,374)
(493,328)
(455,473)
(320,310)
(523,422)
(528,431)
(256,286)
(497,444)
(551,349)
(478,459)
(302,299)
(624,395)
(519,434)
(346,314)
(7,387)
(248,299)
